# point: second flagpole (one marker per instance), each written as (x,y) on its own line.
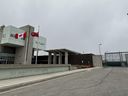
(36,61)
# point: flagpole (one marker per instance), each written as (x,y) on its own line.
(37,46)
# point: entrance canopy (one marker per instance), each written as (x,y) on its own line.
(62,51)
(59,53)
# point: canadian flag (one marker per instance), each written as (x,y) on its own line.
(22,35)
(35,34)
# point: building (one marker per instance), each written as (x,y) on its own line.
(66,56)
(18,50)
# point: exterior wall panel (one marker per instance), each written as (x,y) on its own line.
(8,36)
(97,61)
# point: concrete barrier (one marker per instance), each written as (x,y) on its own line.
(9,71)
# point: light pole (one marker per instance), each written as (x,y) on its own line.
(99,48)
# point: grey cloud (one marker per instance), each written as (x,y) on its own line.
(76,24)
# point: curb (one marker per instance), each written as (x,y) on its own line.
(56,75)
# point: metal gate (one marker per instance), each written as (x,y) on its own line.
(116,59)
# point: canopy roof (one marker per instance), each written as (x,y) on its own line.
(62,51)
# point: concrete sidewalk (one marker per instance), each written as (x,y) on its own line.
(19,82)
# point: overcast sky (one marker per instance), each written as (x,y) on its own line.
(79,25)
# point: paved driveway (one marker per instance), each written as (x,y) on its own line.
(97,82)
